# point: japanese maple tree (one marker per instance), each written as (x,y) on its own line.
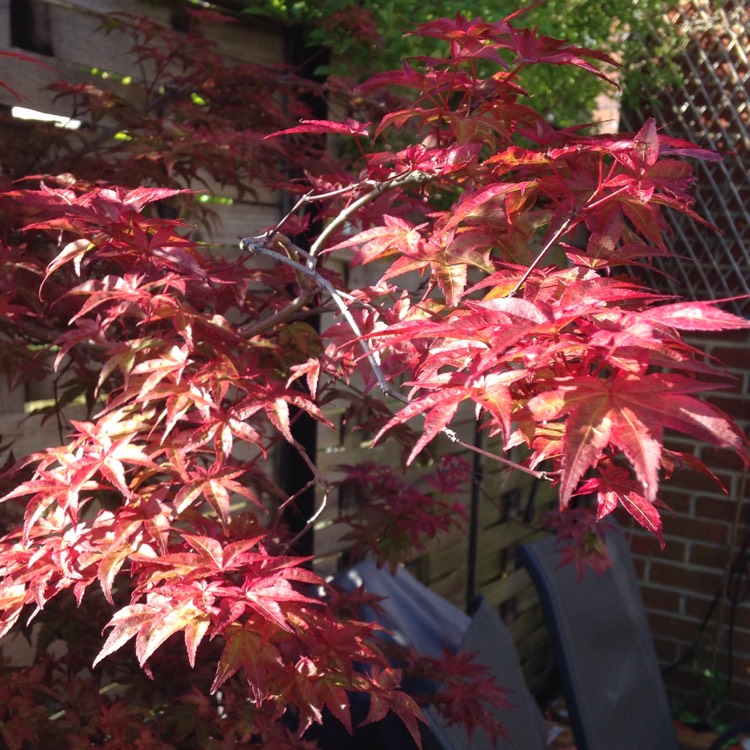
(159,515)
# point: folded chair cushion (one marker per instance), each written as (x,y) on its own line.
(422,620)
(489,638)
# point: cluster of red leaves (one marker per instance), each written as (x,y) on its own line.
(162,496)
(465,692)
(585,368)
(393,519)
(192,365)
(167,485)
(581,539)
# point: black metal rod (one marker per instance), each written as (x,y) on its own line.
(477,480)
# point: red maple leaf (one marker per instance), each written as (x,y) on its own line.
(614,486)
(628,414)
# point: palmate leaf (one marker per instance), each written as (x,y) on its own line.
(268,592)
(326,127)
(215,485)
(614,486)
(439,408)
(266,595)
(629,413)
(693,316)
(390,698)
(12,600)
(311,371)
(248,650)
(110,565)
(125,624)
(451,279)
(277,405)
(533,48)
(398,235)
(643,152)
(473,202)
(151,625)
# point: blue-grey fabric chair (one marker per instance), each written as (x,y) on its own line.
(603,648)
(605,655)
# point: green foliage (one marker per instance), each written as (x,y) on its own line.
(565,95)
(712,686)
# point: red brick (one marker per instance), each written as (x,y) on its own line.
(679,501)
(733,356)
(660,599)
(685,680)
(742,616)
(696,482)
(698,607)
(737,338)
(708,555)
(735,711)
(685,578)
(673,626)
(718,459)
(738,407)
(740,691)
(647,545)
(689,527)
(677,441)
(666,649)
(721,508)
(742,622)
(741,671)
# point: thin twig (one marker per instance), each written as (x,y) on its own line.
(552,240)
(310,521)
(495,457)
(380,188)
(728,568)
(257,245)
(317,480)
(561,231)
(300,202)
(310,197)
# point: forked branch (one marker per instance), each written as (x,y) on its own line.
(260,245)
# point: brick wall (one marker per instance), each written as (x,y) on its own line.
(707,532)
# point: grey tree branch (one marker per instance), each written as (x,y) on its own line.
(259,245)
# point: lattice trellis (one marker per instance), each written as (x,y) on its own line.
(710,107)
